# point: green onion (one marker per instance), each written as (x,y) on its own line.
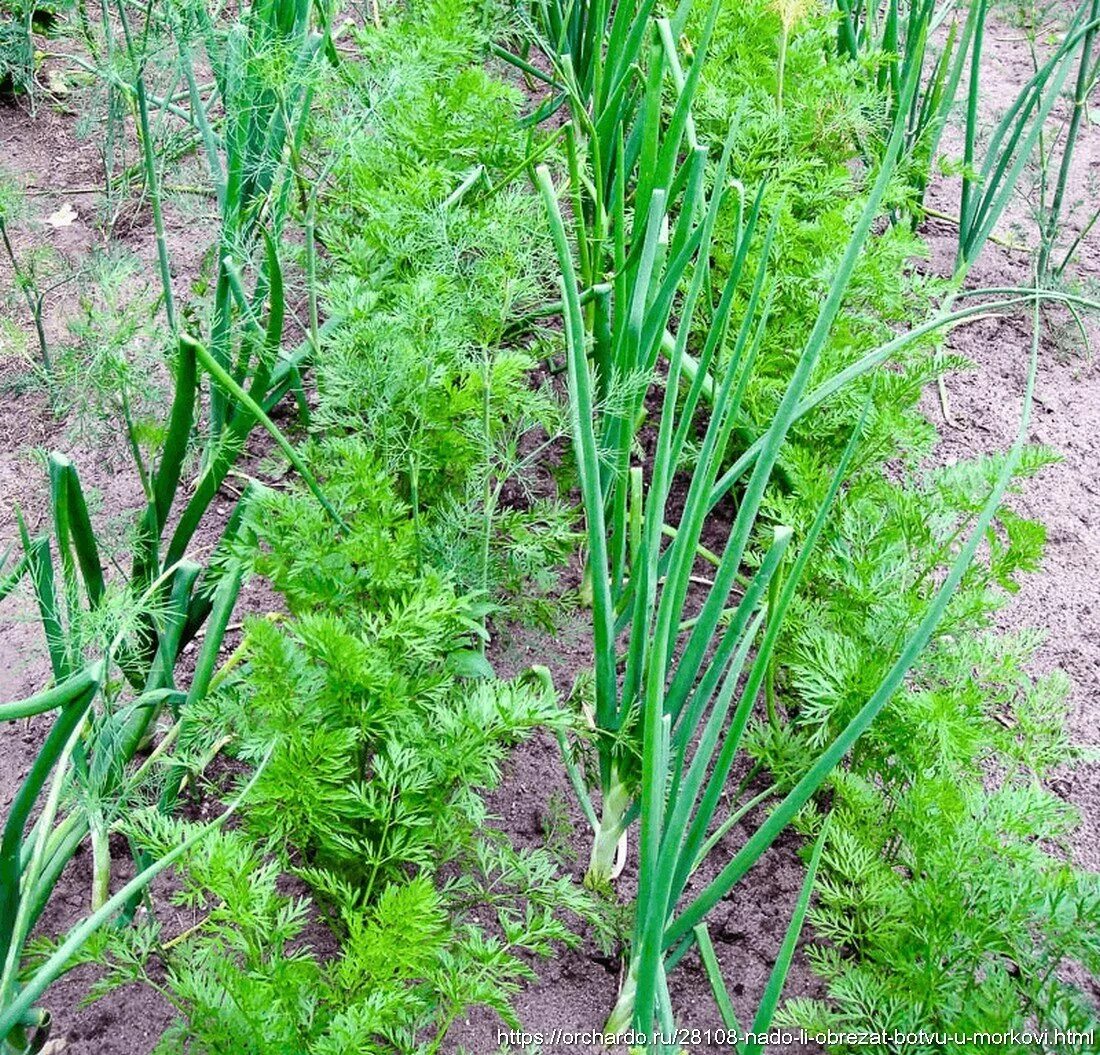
(670,714)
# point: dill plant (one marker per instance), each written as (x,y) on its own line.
(29,271)
(20,22)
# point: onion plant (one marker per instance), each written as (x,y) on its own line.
(618,148)
(677,680)
(248,152)
(659,227)
(592,48)
(668,675)
(1088,71)
(896,42)
(650,241)
(691,701)
(676,812)
(106,699)
(25,1026)
(988,183)
(991,170)
(81,780)
(896,38)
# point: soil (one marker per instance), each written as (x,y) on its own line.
(45,157)
(56,167)
(1063,597)
(576,989)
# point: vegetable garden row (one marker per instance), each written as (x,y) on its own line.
(417,330)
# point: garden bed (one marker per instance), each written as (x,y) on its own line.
(55,165)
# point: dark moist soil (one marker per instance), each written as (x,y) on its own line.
(577,988)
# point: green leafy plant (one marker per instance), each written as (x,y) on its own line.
(945,898)
(436,264)
(401,794)
(1088,69)
(659,692)
(410,961)
(790,12)
(97,630)
(710,368)
(380,731)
